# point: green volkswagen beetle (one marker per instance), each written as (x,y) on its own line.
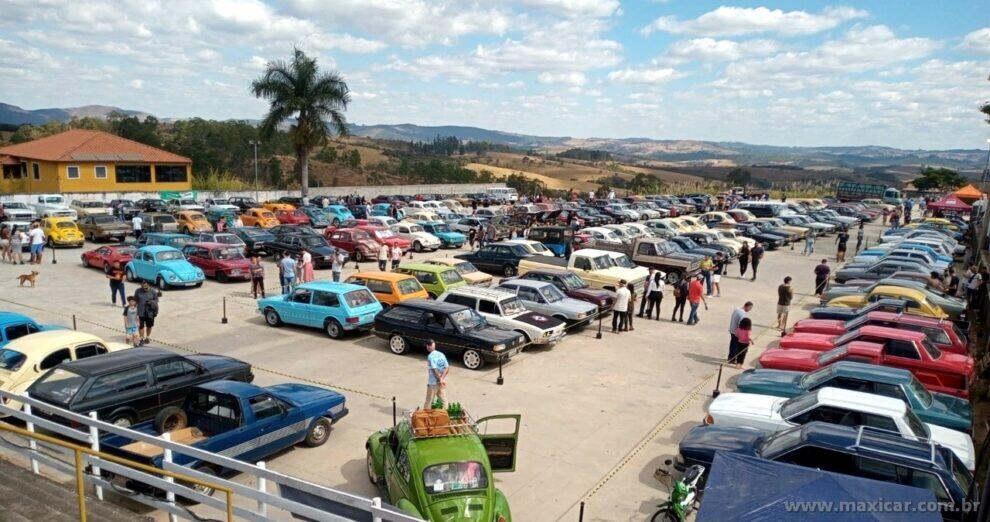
(436,279)
(446,476)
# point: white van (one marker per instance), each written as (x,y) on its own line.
(505,194)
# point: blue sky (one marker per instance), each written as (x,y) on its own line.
(906,73)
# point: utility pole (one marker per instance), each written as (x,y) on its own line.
(255,144)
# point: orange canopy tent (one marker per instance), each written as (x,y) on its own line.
(969,194)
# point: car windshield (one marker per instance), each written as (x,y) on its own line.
(919,428)
(228,254)
(792,407)
(512,306)
(228,239)
(11,360)
(409,286)
(815,378)
(537,247)
(384,234)
(688,242)
(65,224)
(415,228)
(14,204)
(932,350)
(624,261)
(169,255)
(59,385)
(552,294)
(780,442)
(465,268)
(105,219)
(920,392)
(454,476)
(616,234)
(440,229)
(358,298)
(467,319)
(832,355)
(313,241)
(571,280)
(601,262)
(451,276)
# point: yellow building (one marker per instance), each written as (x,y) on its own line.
(91,161)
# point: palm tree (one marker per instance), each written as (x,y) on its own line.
(316,99)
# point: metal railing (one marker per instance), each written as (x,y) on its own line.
(80,447)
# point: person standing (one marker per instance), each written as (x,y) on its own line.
(706,272)
(131,321)
(655,291)
(785,294)
(472,232)
(952,285)
(116,277)
(396,257)
(756,256)
(307,267)
(809,244)
(287,272)
(859,237)
(437,368)
(822,272)
(37,238)
(696,296)
(136,224)
(737,315)
(680,299)
(840,250)
(717,271)
(337,264)
(744,338)
(257,271)
(5,243)
(973,281)
(620,307)
(383,253)
(743,259)
(630,308)
(147,309)
(17,240)
(646,291)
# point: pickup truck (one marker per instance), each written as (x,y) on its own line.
(52,205)
(596,267)
(238,420)
(653,252)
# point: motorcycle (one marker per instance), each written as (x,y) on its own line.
(682,496)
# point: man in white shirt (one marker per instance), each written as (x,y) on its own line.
(37,237)
(136,223)
(622,298)
(383,253)
(396,256)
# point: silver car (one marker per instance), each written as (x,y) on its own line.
(547,299)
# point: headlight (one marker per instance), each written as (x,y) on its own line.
(498,347)
(171,277)
(546,334)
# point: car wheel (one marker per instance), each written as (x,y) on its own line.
(51,244)
(272,317)
(161,284)
(508,270)
(222,276)
(92,237)
(472,360)
(169,419)
(123,420)
(673,278)
(398,345)
(319,432)
(372,476)
(130,275)
(198,488)
(336,222)
(417,247)
(358,256)
(334,329)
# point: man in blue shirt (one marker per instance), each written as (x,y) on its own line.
(287,272)
(437,367)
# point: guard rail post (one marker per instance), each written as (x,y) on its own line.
(94,444)
(262,488)
(223,320)
(500,381)
(31,443)
(80,485)
(167,457)
(376,503)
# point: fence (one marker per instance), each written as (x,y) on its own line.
(83,443)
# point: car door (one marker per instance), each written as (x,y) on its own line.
(443,331)
(172,380)
(277,425)
(127,389)
(499,435)
(485,259)
(533,300)
(297,307)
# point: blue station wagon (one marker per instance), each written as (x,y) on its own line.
(448,238)
(164,266)
(14,325)
(334,307)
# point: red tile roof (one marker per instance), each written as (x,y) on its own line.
(90,145)
(7,160)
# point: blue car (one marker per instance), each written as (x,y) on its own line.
(448,238)
(877,252)
(334,307)
(14,325)
(317,217)
(164,266)
(337,214)
(381,209)
(164,238)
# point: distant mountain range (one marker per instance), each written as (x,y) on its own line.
(628,148)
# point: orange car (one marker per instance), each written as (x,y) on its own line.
(275,206)
(390,288)
(259,217)
(192,221)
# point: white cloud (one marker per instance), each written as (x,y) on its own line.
(593,8)
(570,45)
(136,84)
(712,50)
(735,21)
(977,41)
(568,78)
(644,76)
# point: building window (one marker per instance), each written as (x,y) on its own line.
(101,172)
(170,173)
(72,172)
(36,170)
(133,173)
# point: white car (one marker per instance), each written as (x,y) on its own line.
(85,208)
(454,206)
(419,239)
(505,310)
(488,213)
(625,210)
(52,205)
(175,205)
(725,233)
(621,231)
(733,244)
(533,247)
(605,234)
(382,221)
(635,230)
(648,211)
(421,215)
(835,406)
(16,210)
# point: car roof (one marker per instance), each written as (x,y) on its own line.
(426,267)
(331,286)
(920,320)
(860,401)
(165,234)
(431,305)
(39,341)
(478,291)
(901,291)
(885,331)
(381,276)
(115,360)
(446,261)
(210,245)
(531,283)
(237,388)
(14,317)
(154,249)
(876,442)
(870,372)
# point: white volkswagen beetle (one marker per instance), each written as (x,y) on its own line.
(419,238)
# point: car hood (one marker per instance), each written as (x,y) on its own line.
(451,236)
(960,444)
(181,268)
(576,305)
(541,321)
(701,442)
(494,334)
(235,263)
(820,326)
(302,394)
(460,508)
(745,406)
(947,406)
(591,293)
(808,341)
(803,360)
(781,383)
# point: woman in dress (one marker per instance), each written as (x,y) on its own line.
(307,266)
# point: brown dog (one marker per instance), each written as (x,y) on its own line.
(28,278)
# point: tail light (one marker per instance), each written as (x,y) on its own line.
(353,320)
(709,419)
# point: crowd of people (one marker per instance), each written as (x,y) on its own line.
(14,239)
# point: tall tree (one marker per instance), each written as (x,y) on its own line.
(315,99)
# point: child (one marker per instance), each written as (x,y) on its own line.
(131,321)
(744,336)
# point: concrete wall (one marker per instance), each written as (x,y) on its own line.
(264,195)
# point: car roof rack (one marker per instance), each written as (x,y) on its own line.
(912,445)
(462,426)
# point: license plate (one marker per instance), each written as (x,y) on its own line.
(235,272)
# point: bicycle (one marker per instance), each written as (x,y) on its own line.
(682,496)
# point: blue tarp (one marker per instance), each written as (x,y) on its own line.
(747,488)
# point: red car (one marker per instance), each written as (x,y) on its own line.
(356,242)
(940,372)
(292,217)
(943,334)
(218,260)
(105,256)
(382,235)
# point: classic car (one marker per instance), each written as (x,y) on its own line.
(173,239)
(237,420)
(904,246)
(503,309)
(62,231)
(385,236)
(556,239)
(90,207)
(533,247)
(163,266)
(338,214)
(294,244)
(447,474)
(835,406)
(243,203)
(275,206)
(217,212)
(572,286)
(129,208)
(259,217)
(469,272)
(770,241)
(943,334)
(390,288)
(466,224)
(219,261)
(103,227)
(419,238)
(224,238)
(458,331)
(952,305)
(545,298)
(130,386)
(709,239)
(870,334)
(179,204)
(595,267)
(498,258)
(23,360)
(920,256)
(356,242)
(435,278)
(858,451)
(14,326)
(950,373)
(158,222)
(255,239)
(935,408)
(107,256)
(292,217)
(917,301)
(689,246)
(278,230)
(816,227)
(16,211)
(878,270)
(448,238)
(796,231)
(193,221)
(842,313)
(318,218)
(335,308)
(296,201)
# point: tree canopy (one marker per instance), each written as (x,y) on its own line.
(938,179)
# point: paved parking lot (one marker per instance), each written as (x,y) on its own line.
(599,416)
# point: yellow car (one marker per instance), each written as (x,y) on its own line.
(24,359)
(940,223)
(276,206)
(691,223)
(192,221)
(472,275)
(259,217)
(62,231)
(917,302)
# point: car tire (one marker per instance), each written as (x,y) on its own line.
(370,464)
(333,329)
(106,268)
(272,318)
(50,243)
(129,274)
(92,237)
(203,490)
(169,419)
(318,433)
(222,276)
(509,271)
(358,256)
(417,247)
(398,344)
(472,359)
(122,420)
(161,284)
(673,277)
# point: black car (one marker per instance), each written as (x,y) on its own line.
(841,313)
(688,246)
(879,270)
(243,203)
(151,205)
(132,386)
(294,244)
(130,209)
(295,201)
(827,219)
(858,451)
(358,211)
(255,239)
(497,258)
(705,241)
(278,230)
(457,330)
(592,218)
(321,201)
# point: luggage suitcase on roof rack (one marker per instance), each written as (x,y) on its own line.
(428,423)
